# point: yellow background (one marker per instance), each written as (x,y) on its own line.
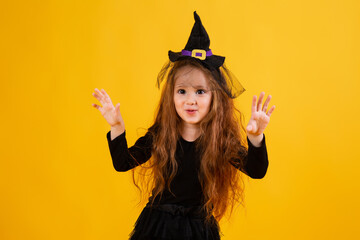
(57,178)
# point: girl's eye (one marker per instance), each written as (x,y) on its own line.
(200,91)
(181,91)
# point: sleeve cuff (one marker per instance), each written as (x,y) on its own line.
(262,144)
(119,138)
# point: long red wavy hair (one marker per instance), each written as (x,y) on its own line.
(221,182)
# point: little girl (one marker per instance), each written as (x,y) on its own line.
(195,149)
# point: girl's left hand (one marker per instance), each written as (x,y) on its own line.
(259,118)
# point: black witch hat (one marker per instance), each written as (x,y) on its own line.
(197,48)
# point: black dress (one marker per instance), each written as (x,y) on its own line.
(178,215)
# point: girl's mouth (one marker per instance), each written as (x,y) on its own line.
(190,111)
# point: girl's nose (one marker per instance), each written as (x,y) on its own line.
(190,100)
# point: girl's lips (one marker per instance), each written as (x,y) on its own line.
(190,111)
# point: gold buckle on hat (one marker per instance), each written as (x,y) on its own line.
(195,51)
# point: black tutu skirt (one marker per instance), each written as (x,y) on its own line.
(174,222)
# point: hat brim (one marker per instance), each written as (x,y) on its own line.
(213,61)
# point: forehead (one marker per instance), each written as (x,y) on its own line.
(191,76)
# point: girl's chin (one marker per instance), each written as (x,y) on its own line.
(191,122)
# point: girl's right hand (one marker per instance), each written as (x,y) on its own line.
(111,114)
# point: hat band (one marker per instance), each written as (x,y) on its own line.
(197,53)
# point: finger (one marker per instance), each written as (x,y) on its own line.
(106,96)
(97,97)
(251,128)
(117,109)
(266,103)
(253,106)
(96,106)
(100,96)
(262,94)
(99,93)
(270,111)
(118,113)
(248,128)
(105,93)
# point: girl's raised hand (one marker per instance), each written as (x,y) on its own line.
(259,118)
(111,114)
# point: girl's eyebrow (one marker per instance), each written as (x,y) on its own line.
(197,86)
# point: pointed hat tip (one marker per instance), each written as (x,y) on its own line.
(196,17)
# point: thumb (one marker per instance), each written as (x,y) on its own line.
(117,108)
(249,128)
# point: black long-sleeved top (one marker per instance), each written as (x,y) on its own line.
(186,185)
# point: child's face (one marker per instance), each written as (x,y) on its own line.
(192,95)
